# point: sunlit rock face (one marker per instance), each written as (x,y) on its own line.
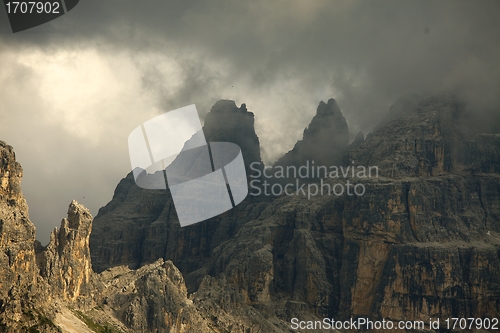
(65,263)
(17,236)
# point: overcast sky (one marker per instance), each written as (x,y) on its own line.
(73,89)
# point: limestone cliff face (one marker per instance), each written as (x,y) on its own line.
(53,288)
(152,299)
(21,288)
(65,263)
(428,139)
(31,284)
(137,226)
(423,252)
(17,234)
(422,242)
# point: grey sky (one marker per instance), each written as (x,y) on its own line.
(72,90)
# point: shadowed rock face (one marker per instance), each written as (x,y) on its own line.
(403,106)
(324,140)
(359,139)
(227,123)
(422,242)
(138,227)
(429,139)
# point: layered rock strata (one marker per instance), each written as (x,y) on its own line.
(423,240)
(65,262)
(18,270)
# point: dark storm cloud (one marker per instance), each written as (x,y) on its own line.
(198,85)
(282,57)
(371,53)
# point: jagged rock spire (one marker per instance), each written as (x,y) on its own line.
(324,140)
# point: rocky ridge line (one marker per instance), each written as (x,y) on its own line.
(432,215)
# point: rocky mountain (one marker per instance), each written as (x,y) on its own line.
(359,139)
(430,139)
(324,140)
(403,107)
(35,279)
(422,240)
(17,235)
(227,123)
(65,262)
(54,289)
(138,222)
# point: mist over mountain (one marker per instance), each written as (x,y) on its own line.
(416,101)
(324,140)
(433,203)
(76,86)
(425,230)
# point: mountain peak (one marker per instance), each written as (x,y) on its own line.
(227,105)
(227,123)
(325,138)
(331,107)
